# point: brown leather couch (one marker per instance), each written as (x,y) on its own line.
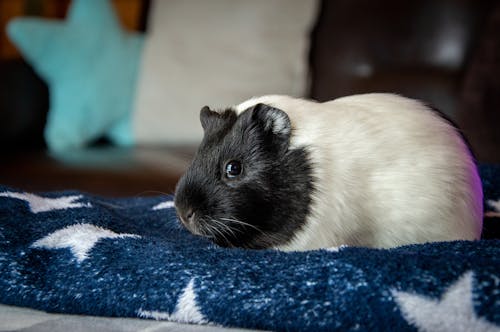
(446,52)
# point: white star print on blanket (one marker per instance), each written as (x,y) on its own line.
(79,238)
(39,204)
(453,312)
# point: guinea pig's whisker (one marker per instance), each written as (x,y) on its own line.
(218,228)
(221,233)
(236,221)
(203,230)
(223,226)
(209,232)
(270,237)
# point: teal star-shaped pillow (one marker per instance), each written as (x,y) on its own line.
(91,65)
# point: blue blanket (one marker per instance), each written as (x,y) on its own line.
(72,252)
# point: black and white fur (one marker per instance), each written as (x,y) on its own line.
(375,170)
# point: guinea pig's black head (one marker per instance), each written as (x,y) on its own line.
(246,187)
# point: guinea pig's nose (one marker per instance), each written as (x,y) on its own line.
(188,216)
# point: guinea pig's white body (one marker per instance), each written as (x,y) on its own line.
(388,171)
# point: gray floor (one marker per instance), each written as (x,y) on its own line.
(23,319)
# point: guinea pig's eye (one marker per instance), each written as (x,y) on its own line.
(233,169)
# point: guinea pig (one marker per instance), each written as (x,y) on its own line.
(374,170)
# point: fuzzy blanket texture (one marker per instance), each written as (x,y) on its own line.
(71,252)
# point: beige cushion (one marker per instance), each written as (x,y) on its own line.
(217,53)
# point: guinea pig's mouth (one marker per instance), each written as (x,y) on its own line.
(228,232)
(214,229)
(192,226)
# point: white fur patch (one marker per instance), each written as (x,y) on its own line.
(271,100)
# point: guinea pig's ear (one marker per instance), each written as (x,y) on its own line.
(211,120)
(273,121)
(206,114)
